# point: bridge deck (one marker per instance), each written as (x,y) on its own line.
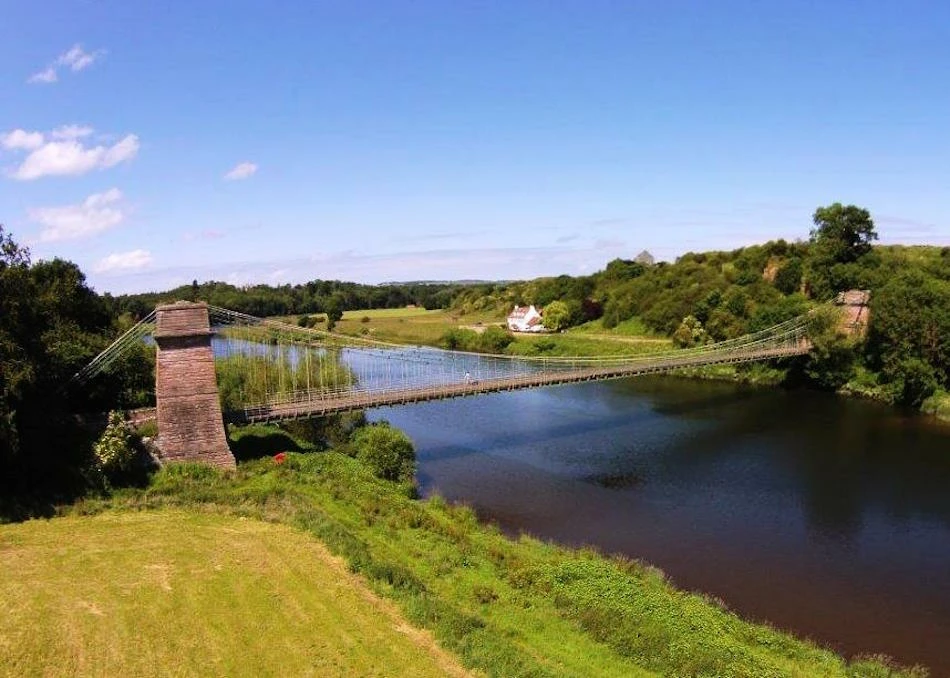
(358,400)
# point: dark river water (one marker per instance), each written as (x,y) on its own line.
(825,516)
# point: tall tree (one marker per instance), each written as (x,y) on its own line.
(842,236)
(842,233)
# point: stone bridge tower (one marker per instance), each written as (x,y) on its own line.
(190,425)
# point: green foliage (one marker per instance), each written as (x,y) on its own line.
(492,339)
(51,325)
(831,363)
(841,238)
(310,298)
(334,309)
(788,279)
(909,334)
(557,316)
(620,270)
(387,451)
(690,333)
(113,452)
(911,381)
(842,234)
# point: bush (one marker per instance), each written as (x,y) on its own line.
(494,340)
(386,450)
(113,451)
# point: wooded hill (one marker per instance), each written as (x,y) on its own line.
(712,296)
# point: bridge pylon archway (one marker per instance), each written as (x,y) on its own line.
(190,422)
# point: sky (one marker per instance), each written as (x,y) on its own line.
(279,142)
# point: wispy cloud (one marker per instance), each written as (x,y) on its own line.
(21,140)
(97,213)
(242,170)
(71,132)
(124,261)
(207,234)
(65,153)
(74,59)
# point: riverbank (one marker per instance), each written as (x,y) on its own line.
(504,606)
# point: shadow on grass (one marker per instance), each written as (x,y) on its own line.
(254,445)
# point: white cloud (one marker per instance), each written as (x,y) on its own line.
(75,59)
(46,76)
(97,213)
(242,170)
(124,261)
(20,139)
(71,132)
(68,156)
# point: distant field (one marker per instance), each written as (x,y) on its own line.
(407,325)
(405,312)
(419,326)
(174,593)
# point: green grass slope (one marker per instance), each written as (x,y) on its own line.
(505,607)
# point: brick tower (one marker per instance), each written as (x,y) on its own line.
(190,425)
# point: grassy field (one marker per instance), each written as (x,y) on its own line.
(409,325)
(505,607)
(418,326)
(193,594)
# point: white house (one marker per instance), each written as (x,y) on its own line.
(525,319)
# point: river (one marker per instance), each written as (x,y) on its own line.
(825,516)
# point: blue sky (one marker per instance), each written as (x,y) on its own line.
(154,143)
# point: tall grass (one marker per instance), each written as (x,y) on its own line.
(245,380)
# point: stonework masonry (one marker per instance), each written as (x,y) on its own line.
(190,425)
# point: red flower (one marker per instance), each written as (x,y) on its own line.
(280,457)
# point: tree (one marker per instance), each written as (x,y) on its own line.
(386,450)
(690,333)
(557,316)
(334,311)
(909,332)
(842,234)
(789,278)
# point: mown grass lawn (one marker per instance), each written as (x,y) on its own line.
(164,593)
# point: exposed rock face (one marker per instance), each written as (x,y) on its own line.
(856,314)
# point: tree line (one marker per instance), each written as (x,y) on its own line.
(314,297)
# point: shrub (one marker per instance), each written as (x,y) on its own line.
(386,450)
(113,451)
(494,340)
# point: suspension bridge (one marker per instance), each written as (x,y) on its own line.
(215,365)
